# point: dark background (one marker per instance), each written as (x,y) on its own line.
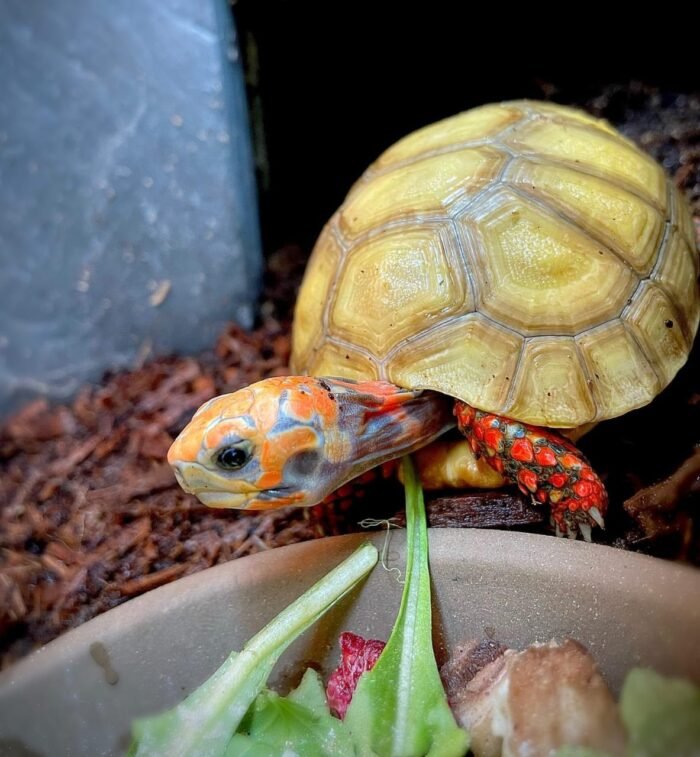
(331,85)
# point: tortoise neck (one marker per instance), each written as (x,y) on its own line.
(382,421)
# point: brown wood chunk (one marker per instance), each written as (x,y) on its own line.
(481,509)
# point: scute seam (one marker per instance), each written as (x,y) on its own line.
(561,120)
(583,367)
(458,209)
(515,378)
(520,366)
(583,168)
(655,279)
(661,252)
(606,180)
(677,198)
(555,212)
(409,340)
(642,349)
(465,263)
(345,250)
(396,222)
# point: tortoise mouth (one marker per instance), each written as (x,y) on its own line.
(213,491)
(264,499)
(278,492)
(224,499)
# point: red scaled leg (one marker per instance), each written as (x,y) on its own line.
(542,464)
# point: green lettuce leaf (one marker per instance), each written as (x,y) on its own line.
(661,715)
(203,723)
(299,723)
(399,708)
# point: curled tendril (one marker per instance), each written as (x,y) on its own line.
(389,524)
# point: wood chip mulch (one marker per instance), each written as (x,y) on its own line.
(90,515)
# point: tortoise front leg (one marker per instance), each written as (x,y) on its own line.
(542,463)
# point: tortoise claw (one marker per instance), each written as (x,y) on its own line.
(597,516)
(571,523)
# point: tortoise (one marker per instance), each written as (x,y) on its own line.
(521,270)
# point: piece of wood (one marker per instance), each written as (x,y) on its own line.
(481,509)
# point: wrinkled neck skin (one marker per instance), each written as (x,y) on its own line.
(308,437)
(377,422)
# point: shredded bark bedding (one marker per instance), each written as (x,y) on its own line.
(90,514)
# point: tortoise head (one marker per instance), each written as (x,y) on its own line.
(258,448)
(293,440)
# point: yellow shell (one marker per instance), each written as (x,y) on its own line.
(523,257)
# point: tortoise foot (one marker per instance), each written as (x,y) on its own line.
(543,464)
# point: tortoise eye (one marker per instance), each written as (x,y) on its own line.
(233,458)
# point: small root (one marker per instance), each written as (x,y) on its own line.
(389,524)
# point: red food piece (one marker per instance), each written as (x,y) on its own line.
(356,656)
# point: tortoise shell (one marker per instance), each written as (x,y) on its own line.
(523,257)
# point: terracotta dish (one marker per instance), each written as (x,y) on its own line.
(78,694)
